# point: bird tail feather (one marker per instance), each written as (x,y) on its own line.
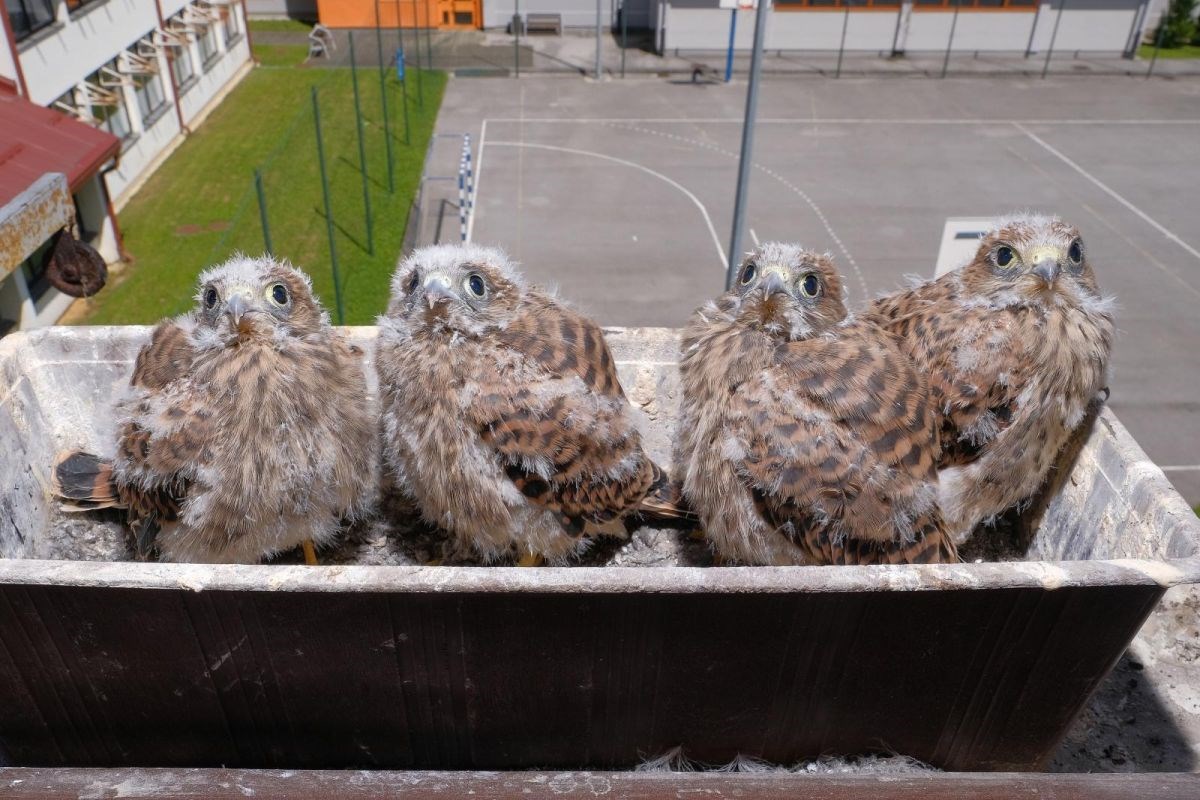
(664,503)
(85,482)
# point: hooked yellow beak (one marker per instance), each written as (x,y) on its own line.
(775,279)
(437,288)
(1045,261)
(238,304)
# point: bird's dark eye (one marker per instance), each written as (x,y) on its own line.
(1075,252)
(476,285)
(210,297)
(810,285)
(1004,256)
(278,294)
(413,281)
(748,273)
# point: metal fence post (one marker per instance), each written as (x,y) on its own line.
(333,259)
(624,33)
(598,12)
(404,91)
(387,126)
(744,161)
(516,23)
(417,60)
(362,151)
(950,41)
(729,52)
(262,212)
(1162,29)
(1053,35)
(842,45)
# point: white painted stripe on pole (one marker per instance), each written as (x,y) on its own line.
(475,188)
(1110,192)
(695,200)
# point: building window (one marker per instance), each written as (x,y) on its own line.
(790,5)
(75,5)
(208,46)
(104,93)
(29,16)
(181,67)
(231,25)
(150,97)
(972,5)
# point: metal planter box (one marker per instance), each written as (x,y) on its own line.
(967,667)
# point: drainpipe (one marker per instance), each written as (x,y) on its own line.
(245,29)
(162,25)
(12,46)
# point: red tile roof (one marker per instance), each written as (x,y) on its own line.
(36,140)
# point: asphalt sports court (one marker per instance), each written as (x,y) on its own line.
(620,194)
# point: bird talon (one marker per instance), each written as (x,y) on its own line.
(531,560)
(310,552)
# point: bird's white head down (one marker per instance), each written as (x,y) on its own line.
(464,289)
(250,299)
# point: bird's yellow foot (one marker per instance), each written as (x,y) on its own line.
(531,560)
(696,535)
(436,562)
(310,552)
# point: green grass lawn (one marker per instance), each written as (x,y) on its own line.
(200,207)
(1187,51)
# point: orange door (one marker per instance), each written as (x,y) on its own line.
(456,14)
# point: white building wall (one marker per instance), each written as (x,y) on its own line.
(1091,25)
(55,63)
(574,13)
(210,83)
(975,30)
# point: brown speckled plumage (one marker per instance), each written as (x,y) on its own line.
(1014,357)
(805,437)
(503,415)
(247,428)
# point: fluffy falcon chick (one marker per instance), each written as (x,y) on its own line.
(1015,345)
(503,415)
(247,428)
(805,437)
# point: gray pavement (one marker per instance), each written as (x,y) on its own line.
(620,193)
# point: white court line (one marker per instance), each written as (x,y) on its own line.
(754,236)
(852,120)
(1111,193)
(635,165)
(478,178)
(1182,468)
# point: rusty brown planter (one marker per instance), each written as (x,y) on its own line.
(967,667)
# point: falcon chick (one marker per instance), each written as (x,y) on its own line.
(1015,345)
(246,431)
(805,437)
(503,417)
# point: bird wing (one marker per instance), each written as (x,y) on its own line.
(167,357)
(162,442)
(840,448)
(970,353)
(562,428)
